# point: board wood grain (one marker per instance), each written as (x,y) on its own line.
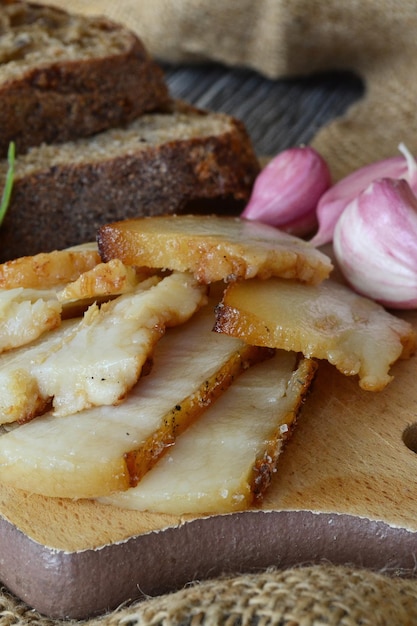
(345,486)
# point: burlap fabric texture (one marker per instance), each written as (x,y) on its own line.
(309,596)
(376,39)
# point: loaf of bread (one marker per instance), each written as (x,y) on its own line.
(161,163)
(64,76)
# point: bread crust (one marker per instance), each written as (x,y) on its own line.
(60,206)
(63,98)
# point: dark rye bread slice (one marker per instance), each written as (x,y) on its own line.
(64,76)
(159,164)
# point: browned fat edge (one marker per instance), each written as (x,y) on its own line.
(111,243)
(140,461)
(265,466)
(227,320)
(42,406)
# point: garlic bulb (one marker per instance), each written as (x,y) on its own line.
(375,243)
(286,192)
(334,201)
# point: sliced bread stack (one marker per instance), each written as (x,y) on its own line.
(64,76)
(97,135)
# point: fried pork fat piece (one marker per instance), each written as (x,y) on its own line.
(212,248)
(49,269)
(225,460)
(109,448)
(29,306)
(327,321)
(100,356)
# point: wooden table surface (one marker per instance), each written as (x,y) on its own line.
(277,113)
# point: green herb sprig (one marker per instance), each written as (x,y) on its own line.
(7,191)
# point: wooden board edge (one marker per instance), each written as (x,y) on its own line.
(90,582)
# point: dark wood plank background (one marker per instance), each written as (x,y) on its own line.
(277,113)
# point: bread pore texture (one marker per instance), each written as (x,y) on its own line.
(65,75)
(159,164)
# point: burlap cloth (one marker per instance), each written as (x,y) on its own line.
(309,596)
(377,39)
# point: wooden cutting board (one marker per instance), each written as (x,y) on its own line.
(345,492)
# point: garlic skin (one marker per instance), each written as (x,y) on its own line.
(334,201)
(375,243)
(286,191)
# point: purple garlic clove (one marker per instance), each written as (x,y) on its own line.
(334,201)
(375,243)
(286,192)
